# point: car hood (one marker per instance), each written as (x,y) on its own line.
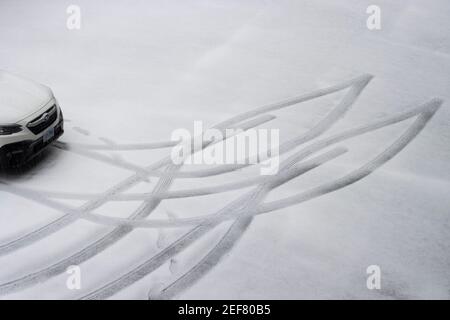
(20,97)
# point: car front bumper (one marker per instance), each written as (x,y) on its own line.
(19,153)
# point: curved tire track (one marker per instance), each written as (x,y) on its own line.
(238,228)
(71,216)
(179,245)
(430,107)
(101,244)
(182,243)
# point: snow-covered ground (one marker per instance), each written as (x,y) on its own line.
(136,71)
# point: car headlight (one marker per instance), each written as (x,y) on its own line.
(9,129)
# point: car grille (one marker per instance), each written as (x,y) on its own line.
(44,121)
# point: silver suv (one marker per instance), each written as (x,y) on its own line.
(30,119)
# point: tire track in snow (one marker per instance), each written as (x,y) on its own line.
(143,172)
(355,90)
(359,83)
(430,106)
(98,246)
(244,220)
(230,239)
(71,216)
(323,125)
(179,245)
(355,85)
(91,250)
(125,147)
(102,244)
(334,115)
(182,243)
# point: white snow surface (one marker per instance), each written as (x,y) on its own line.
(136,71)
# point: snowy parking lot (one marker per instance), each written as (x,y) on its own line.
(364,173)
